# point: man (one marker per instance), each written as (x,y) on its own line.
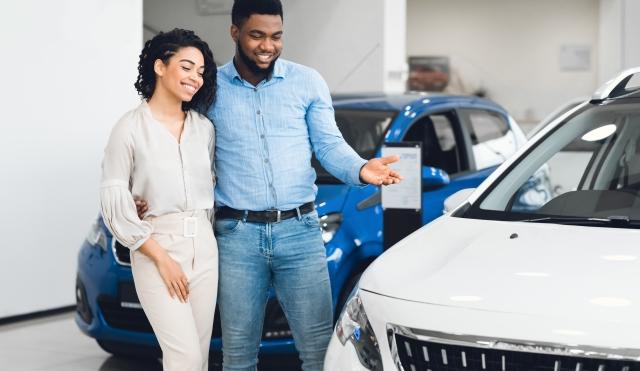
(270,115)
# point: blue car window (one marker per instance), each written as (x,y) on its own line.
(484,126)
(440,147)
(363,130)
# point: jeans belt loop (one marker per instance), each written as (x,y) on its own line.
(299,213)
(244,217)
(190,226)
(279,216)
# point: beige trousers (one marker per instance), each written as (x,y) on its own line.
(182,329)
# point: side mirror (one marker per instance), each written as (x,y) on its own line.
(457,199)
(434,178)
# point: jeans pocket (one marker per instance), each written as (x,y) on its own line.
(311,220)
(225,226)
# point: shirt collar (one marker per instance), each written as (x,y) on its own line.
(279,71)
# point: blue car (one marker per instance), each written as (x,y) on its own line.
(463,140)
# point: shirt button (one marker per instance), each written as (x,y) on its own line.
(262,136)
(255,89)
(266,160)
(258,112)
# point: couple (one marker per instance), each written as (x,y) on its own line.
(269,115)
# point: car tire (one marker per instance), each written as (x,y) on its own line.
(129,351)
(344,294)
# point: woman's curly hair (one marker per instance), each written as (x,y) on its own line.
(163,46)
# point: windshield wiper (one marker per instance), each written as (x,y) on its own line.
(620,221)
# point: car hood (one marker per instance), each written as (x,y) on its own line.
(515,267)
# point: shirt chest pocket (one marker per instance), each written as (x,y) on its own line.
(286,126)
(233,124)
(286,119)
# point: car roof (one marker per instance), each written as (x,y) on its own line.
(623,85)
(398,102)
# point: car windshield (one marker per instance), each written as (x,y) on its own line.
(363,130)
(585,171)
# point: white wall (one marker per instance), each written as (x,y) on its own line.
(164,15)
(631,34)
(68,70)
(344,40)
(610,39)
(619,37)
(395,46)
(509,47)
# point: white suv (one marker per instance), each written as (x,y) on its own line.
(501,284)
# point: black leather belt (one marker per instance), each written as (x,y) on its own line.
(267,216)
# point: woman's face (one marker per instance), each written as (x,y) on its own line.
(181,76)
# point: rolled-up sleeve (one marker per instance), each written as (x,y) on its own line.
(333,152)
(116,201)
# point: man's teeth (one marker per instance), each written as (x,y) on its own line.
(264,57)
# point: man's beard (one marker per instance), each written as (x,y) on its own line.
(253,66)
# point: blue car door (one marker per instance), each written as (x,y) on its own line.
(446,145)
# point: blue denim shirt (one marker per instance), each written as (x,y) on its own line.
(265,135)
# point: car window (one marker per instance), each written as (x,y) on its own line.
(440,142)
(444,132)
(484,126)
(491,137)
(600,180)
(363,130)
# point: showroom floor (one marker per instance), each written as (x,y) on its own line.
(55,344)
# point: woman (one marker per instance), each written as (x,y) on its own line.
(162,152)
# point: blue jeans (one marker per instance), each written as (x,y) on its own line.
(290,256)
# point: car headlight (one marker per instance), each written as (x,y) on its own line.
(330,224)
(353,325)
(96,236)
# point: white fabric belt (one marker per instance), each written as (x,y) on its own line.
(183,224)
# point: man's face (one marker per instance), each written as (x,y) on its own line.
(259,41)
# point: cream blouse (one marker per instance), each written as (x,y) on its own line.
(143,160)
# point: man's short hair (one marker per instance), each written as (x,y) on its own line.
(243,9)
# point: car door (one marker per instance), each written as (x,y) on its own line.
(443,147)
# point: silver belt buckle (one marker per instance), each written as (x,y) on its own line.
(190,226)
(278,214)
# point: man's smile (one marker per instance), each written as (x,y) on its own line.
(265,57)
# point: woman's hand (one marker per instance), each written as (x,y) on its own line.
(170,271)
(173,277)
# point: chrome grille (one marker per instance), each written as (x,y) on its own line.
(422,350)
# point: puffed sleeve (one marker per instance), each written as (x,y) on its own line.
(116,201)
